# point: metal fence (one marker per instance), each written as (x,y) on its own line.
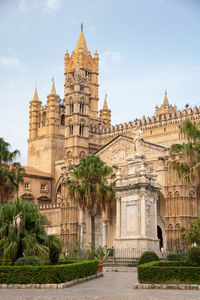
(123,257)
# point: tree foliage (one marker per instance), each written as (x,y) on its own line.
(192,233)
(22,230)
(11,173)
(186,156)
(92,186)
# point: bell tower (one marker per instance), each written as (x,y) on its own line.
(77,117)
(89,68)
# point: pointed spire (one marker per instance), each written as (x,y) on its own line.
(35,97)
(81,42)
(53,89)
(105,105)
(166,102)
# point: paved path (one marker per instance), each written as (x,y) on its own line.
(114,285)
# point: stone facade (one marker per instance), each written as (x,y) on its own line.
(151,201)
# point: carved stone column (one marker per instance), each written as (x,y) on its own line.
(105,222)
(104,232)
(118,218)
(81,222)
(143,215)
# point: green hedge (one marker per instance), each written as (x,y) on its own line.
(148,256)
(27,261)
(168,272)
(47,274)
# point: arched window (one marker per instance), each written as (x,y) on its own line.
(82,108)
(43,119)
(191,203)
(82,154)
(71,107)
(62,120)
(39,120)
(70,128)
(169,204)
(177,236)
(81,129)
(170,237)
(69,154)
(88,74)
(176,200)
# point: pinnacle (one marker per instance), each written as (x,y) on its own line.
(105,105)
(166,102)
(35,97)
(81,43)
(53,89)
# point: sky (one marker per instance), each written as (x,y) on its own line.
(145,47)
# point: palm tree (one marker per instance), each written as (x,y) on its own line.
(5,155)
(92,187)
(186,156)
(16,176)
(22,230)
(7,182)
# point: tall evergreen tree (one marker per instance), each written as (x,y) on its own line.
(92,187)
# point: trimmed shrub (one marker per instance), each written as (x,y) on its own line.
(176,257)
(148,256)
(6,262)
(27,261)
(168,272)
(47,274)
(194,255)
(54,254)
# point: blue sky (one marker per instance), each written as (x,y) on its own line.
(144,46)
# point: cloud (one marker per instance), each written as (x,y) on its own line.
(92,29)
(51,6)
(11,63)
(45,6)
(109,58)
(22,6)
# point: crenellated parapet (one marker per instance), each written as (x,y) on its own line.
(49,206)
(161,124)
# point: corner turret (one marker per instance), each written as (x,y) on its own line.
(34,120)
(165,108)
(105,113)
(53,101)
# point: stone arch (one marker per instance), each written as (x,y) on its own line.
(160,236)
(161,212)
(169,209)
(69,154)
(170,237)
(27,197)
(71,127)
(71,105)
(176,201)
(191,203)
(81,127)
(62,120)
(82,154)
(177,236)
(44,118)
(82,105)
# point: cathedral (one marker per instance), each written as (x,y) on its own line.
(152,203)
